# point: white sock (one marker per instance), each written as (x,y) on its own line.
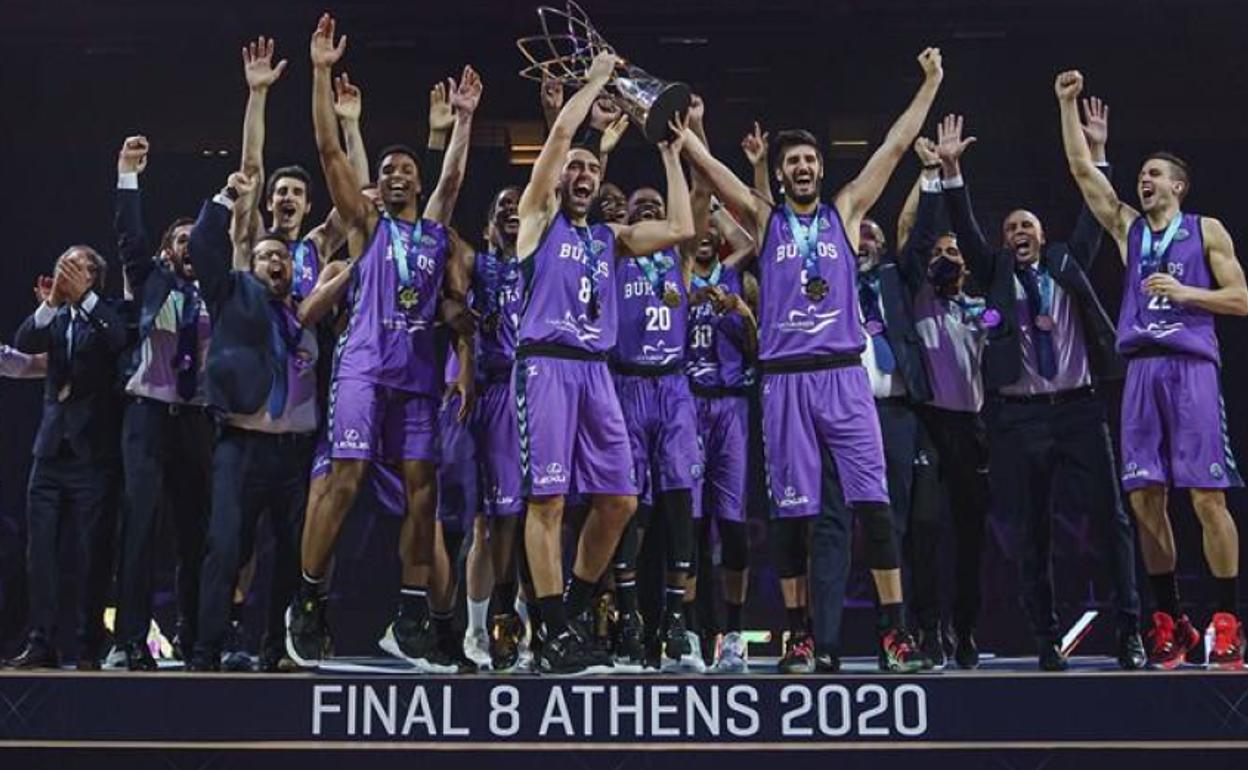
(477,614)
(522,610)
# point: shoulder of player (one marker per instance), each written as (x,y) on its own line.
(1213,232)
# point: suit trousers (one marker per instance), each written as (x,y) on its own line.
(63,487)
(253,473)
(167,456)
(1037,449)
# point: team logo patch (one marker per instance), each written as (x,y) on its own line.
(1216,471)
(695,470)
(1182,234)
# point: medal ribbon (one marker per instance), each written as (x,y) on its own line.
(1152,256)
(807,239)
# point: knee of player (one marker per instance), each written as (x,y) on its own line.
(1210,507)
(547,510)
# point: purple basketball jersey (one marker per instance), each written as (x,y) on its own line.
(717,340)
(650,332)
(305,267)
(560,291)
(1146,321)
(497,291)
(384,343)
(793,325)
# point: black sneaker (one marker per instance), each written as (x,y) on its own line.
(506,633)
(416,641)
(966,653)
(567,654)
(827,663)
(1050,657)
(932,645)
(629,649)
(675,642)
(274,660)
(799,655)
(139,658)
(234,655)
(1131,655)
(203,661)
(307,635)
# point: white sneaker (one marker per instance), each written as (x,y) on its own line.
(732,655)
(115,660)
(477,647)
(693,662)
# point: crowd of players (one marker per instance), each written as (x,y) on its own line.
(598,353)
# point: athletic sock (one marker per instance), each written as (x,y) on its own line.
(626,595)
(413,602)
(310,587)
(1228,595)
(674,600)
(734,616)
(505,599)
(579,595)
(553,615)
(1166,593)
(442,624)
(478,613)
(891,617)
(797,619)
(691,616)
(236,612)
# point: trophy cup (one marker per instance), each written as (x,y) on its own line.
(564,51)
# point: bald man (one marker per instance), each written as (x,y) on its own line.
(1051,346)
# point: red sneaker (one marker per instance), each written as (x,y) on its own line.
(1228,642)
(1169,640)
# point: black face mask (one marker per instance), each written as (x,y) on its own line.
(943,273)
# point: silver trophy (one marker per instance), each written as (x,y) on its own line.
(564,51)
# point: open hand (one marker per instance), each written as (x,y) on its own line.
(348,101)
(754,145)
(441,117)
(325,53)
(258,66)
(466,95)
(949,142)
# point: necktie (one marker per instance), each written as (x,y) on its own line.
(63,356)
(1041,339)
(869,298)
(187,362)
(281,340)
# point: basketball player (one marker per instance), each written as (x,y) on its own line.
(383,400)
(572,432)
(1182,271)
(815,390)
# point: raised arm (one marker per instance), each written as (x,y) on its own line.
(552,99)
(647,237)
(734,193)
(856,198)
(1114,215)
(949,147)
(754,145)
(699,197)
(348,105)
(537,202)
(1085,239)
(210,246)
(1229,297)
(260,74)
(132,246)
(344,190)
(464,98)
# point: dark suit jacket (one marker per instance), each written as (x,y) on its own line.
(150,278)
(89,418)
(240,358)
(900,280)
(1068,263)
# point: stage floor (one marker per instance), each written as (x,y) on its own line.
(983,718)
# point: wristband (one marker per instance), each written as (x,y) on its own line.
(230,193)
(931,166)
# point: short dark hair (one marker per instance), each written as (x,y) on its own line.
(166,240)
(587,147)
(1178,167)
(398,149)
(494,199)
(288,172)
(793,137)
(267,235)
(101,265)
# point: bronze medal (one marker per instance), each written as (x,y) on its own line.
(490,323)
(816,289)
(409,297)
(671,297)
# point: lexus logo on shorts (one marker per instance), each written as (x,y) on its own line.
(554,469)
(790,492)
(351,434)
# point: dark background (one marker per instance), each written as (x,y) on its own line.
(76,77)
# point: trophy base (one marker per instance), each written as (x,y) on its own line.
(674,98)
